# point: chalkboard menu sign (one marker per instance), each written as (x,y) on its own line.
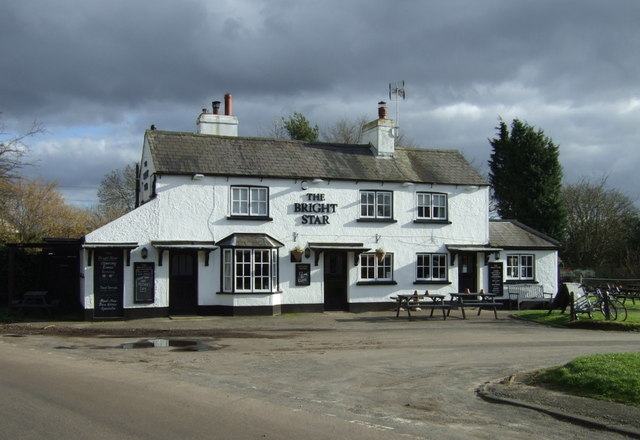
(495,278)
(303,274)
(143,289)
(107,284)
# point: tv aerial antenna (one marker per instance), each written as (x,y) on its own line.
(396,92)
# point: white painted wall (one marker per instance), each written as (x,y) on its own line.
(197,211)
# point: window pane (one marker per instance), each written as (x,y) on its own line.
(384,204)
(439,206)
(239,201)
(259,201)
(424,205)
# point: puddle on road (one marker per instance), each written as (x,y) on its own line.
(176,344)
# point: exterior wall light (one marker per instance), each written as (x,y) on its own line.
(407,184)
(144,253)
(317,180)
(197,177)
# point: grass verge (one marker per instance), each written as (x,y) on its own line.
(610,377)
(632,323)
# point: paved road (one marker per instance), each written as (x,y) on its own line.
(377,375)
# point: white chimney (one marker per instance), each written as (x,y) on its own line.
(215,123)
(380,133)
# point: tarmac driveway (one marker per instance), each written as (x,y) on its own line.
(415,377)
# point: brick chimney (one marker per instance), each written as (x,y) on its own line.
(217,124)
(380,133)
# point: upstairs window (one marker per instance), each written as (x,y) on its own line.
(520,267)
(432,206)
(376,205)
(249,201)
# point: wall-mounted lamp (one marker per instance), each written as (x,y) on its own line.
(471,188)
(406,184)
(144,253)
(197,177)
(304,185)
(317,180)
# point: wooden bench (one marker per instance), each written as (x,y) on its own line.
(521,293)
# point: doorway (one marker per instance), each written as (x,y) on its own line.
(335,281)
(183,282)
(467,272)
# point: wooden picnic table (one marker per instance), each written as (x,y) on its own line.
(430,301)
(481,300)
(35,299)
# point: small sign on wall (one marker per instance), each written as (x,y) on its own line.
(496,286)
(144,282)
(303,274)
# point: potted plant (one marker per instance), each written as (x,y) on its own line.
(380,253)
(296,254)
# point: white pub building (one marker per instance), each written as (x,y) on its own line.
(232,225)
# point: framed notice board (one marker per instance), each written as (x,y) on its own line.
(495,278)
(108,283)
(143,287)
(303,274)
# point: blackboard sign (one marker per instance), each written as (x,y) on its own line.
(107,284)
(495,278)
(303,274)
(143,279)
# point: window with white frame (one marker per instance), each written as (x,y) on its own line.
(432,206)
(373,268)
(249,270)
(520,267)
(249,201)
(431,267)
(376,204)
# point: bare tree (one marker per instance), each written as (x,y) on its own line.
(117,193)
(13,149)
(602,225)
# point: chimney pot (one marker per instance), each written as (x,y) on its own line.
(216,107)
(228,104)
(382,110)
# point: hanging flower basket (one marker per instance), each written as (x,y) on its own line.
(380,254)
(296,254)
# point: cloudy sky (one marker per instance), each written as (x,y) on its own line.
(96,74)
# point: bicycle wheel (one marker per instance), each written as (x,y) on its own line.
(620,309)
(612,311)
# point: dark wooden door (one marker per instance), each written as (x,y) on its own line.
(183,283)
(467,272)
(335,281)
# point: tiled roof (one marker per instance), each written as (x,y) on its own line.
(188,153)
(513,234)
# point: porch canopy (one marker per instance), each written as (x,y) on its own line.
(356,248)
(455,249)
(162,246)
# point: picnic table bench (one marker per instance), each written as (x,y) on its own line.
(480,300)
(35,299)
(417,302)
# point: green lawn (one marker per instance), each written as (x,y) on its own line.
(632,323)
(611,377)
